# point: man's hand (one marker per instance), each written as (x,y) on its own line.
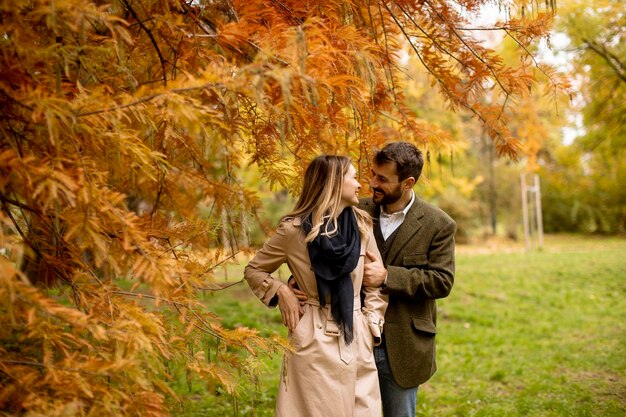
(293,285)
(289,306)
(374,273)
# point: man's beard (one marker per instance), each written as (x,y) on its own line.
(387,199)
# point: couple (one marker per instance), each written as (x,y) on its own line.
(361,313)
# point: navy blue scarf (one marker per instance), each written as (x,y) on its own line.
(333,259)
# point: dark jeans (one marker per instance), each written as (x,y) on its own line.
(397,401)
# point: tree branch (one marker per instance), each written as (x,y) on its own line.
(148,98)
(528,53)
(610,59)
(429,36)
(176,305)
(446,90)
(42,365)
(387,55)
(17,227)
(219,287)
(464,42)
(151,36)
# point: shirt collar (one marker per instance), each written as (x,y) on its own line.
(404,211)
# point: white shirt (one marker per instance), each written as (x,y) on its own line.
(390,222)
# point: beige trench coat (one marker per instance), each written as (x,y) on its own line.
(323,376)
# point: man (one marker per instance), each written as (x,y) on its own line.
(416,241)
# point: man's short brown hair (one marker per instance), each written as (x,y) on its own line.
(409,160)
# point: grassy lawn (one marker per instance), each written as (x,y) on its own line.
(541,333)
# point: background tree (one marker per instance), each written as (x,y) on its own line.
(584,178)
(124,126)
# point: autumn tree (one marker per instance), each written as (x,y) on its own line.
(124,124)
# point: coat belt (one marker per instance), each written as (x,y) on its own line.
(346,353)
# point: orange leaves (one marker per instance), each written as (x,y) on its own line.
(12,166)
(107,182)
(448,45)
(528,28)
(53,186)
(125,130)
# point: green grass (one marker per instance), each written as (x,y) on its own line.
(522,334)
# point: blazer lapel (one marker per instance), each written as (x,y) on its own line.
(409,227)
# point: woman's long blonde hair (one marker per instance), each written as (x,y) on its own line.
(321,196)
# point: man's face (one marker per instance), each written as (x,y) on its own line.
(385,184)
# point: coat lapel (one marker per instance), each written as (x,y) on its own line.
(409,227)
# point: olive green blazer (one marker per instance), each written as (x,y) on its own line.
(420,265)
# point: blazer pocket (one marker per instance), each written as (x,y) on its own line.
(424,325)
(415,259)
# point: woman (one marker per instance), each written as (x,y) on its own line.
(331,371)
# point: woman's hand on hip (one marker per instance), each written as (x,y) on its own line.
(289,306)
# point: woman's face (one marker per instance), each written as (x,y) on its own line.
(351,187)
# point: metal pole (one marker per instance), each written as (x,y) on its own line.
(492,188)
(525,210)
(538,211)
